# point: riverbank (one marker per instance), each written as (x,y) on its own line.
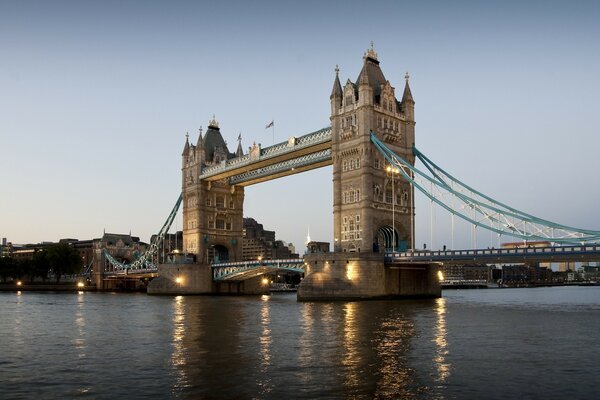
(66,287)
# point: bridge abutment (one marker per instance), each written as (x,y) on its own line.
(198,279)
(356,276)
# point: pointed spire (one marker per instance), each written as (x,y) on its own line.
(337,86)
(239,152)
(186,148)
(407,95)
(200,141)
(308,236)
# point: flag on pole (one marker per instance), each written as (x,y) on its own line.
(270,124)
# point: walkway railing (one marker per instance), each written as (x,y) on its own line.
(502,255)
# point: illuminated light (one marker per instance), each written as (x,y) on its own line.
(265,281)
(388,168)
(178,280)
(80,292)
(350,272)
(259,258)
(19,283)
(80,284)
(440,276)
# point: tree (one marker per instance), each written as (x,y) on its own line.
(7,268)
(64,259)
(41,264)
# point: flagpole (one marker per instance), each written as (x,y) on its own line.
(273,133)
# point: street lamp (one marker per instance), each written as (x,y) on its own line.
(393,171)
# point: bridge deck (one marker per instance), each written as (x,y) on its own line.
(499,256)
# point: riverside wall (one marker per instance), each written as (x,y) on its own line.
(355,276)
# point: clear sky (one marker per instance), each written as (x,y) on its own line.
(96,98)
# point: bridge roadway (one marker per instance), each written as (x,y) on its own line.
(519,255)
(239,271)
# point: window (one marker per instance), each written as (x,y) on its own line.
(231,203)
(349,100)
(351,228)
(376,163)
(208,202)
(220,223)
(211,223)
(388,195)
(220,202)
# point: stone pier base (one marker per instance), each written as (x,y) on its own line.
(355,276)
(197,279)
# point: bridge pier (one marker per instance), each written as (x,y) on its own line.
(198,279)
(356,276)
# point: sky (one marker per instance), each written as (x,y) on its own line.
(96,99)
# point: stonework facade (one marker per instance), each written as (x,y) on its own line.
(212,211)
(372,204)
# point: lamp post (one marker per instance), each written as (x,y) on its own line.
(393,170)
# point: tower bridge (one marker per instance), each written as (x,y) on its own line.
(371,146)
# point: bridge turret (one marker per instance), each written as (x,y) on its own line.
(365,90)
(200,146)
(372,206)
(336,93)
(408,104)
(186,147)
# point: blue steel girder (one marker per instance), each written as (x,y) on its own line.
(293,148)
(145,261)
(239,271)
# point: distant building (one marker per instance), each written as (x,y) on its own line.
(170,243)
(526,275)
(260,243)
(466,272)
(317,247)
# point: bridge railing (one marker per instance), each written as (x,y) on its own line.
(428,254)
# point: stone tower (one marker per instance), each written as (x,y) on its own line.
(372,205)
(212,211)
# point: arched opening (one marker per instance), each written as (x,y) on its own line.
(386,239)
(218,254)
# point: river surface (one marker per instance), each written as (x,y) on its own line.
(541,343)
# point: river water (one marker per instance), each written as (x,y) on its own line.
(541,343)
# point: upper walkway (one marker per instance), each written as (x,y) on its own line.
(295,155)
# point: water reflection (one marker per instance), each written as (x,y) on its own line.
(306,345)
(352,359)
(264,383)
(443,368)
(178,358)
(392,346)
(79,341)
